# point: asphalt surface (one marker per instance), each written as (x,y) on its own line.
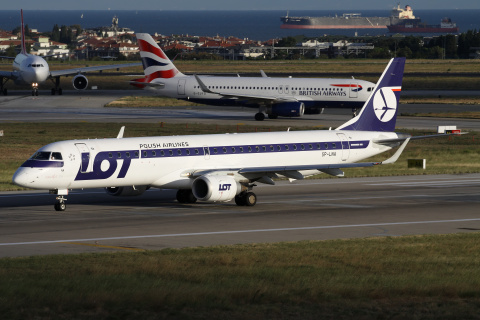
(305,210)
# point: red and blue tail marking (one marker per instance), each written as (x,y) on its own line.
(155,63)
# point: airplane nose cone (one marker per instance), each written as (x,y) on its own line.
(22,178)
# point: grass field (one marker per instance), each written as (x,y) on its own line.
(416,277)
(457,154)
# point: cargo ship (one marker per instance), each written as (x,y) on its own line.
(445,26)
(350,20)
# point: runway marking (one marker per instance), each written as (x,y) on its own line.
(103,246)
(236,232)
(440,183)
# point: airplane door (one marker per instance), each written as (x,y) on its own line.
(206,152)
(287,89)
(353,90)
(345,146)
(85,157)
(181,87)
(280,89)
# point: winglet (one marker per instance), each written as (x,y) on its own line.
(120,133)
(264,75)
(397,154)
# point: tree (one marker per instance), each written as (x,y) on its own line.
(11,52)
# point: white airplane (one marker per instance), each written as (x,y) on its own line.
(220,167)
(285,97)
(33,70)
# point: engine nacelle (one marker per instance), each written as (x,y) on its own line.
(288,109)
(80,82)
(126,191)
(213,188)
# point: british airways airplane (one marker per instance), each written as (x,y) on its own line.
(285,97)
(33,70)
(220,167)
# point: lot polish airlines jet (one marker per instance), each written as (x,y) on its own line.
(32,69)
(285,97)
(220,167)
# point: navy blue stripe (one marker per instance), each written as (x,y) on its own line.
(42,164)
(149,62)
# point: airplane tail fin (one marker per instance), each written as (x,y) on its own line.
(24,47)
(379,113)
(155,63)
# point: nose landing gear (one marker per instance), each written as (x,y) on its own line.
(34,89)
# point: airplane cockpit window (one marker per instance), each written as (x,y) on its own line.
(46,155)
(41,155)
(56,156)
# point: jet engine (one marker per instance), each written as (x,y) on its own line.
(80,82)
(212,188)
(287,109)
(126,191)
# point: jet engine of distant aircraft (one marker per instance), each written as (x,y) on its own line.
(286,109)
(80,82)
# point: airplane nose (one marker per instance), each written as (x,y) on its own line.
(22,178)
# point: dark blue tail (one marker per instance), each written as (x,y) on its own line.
(379,113)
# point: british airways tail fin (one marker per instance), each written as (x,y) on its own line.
(155,63)
(379,113)
(24,47)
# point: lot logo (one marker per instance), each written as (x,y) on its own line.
(224,187)
(385,104)
(105,165)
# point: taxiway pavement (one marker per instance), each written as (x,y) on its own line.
(304,210)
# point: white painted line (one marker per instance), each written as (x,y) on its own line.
(238,231)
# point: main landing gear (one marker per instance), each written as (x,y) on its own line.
(60,205)
(57,88)
(246,198)
(185,196)
(3,81)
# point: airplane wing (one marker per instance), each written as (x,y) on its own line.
(253,98)
(67,72)
(7,74)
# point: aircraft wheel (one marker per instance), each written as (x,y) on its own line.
(33,93)
(259,116)
(60,91)
(186,196)
(4,92)
(60,206)
(250,199)
(53,91)
(240,200)
(272,116)
(36,92)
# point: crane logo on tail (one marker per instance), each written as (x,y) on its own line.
(385,104)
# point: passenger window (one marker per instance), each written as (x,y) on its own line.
(179,152)
(144,154)
(334,146)
(110,155)
(136,154)
(170,152)
(233,149)
(279,148)
(162,153)
(196,151)
(326,145)
(187,152)
(127,154)
(294,147)
(119,155)
(224,150)
(154,153)
(286,147)
(249,149)
(241,149)
(264,148)
(272,148)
